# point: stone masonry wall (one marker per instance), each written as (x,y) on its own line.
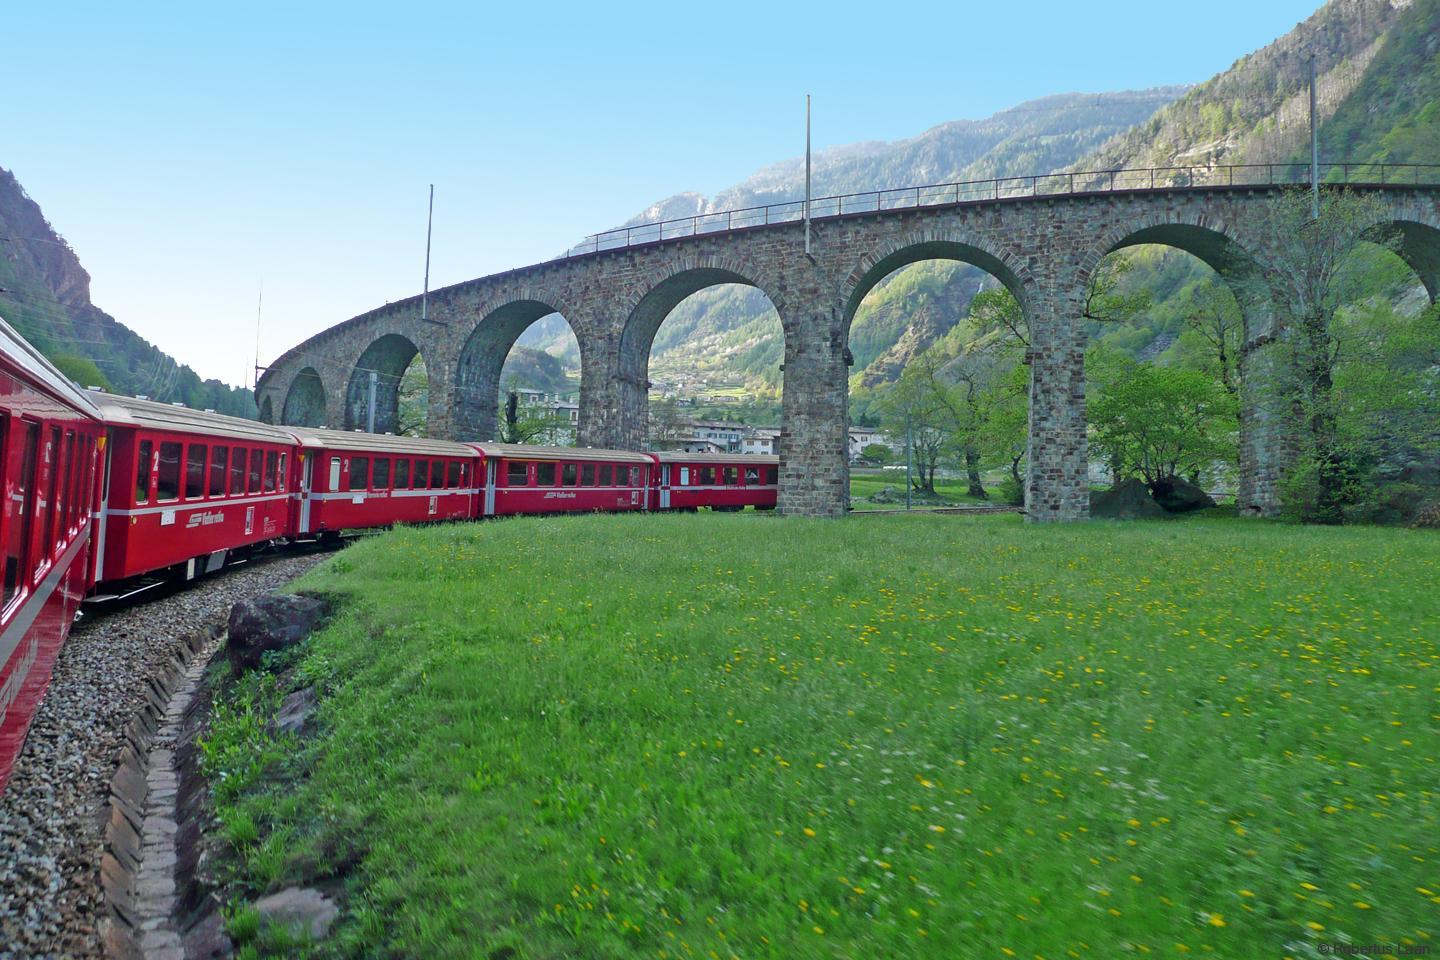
(1045,249)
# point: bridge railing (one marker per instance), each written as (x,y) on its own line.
(1005,188)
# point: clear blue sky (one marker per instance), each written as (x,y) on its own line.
(188,150)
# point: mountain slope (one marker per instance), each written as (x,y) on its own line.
(1258,110)
(45,294)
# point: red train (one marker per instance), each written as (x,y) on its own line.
(107,495)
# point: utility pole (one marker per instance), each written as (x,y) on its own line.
(807,174)
(1314,149)
(370,402)
(259,304)
(429,223)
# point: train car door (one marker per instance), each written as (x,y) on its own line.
(307,483)
(665,486)
(491,465)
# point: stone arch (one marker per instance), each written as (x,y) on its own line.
(1416,239)
(664,291)
(1262,453)
(965,246)
(1210,243)
(305,400)
(386,358)
(476,388)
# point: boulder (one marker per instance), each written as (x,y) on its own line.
(1178,495)
(272,622)
(295,711)
(304,911)
(1128,500)
(1424,473)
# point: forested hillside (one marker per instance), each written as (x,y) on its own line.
(45,294)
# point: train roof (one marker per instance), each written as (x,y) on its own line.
(683,456)
(42,372)
(516,451)
(357,440)
(152,415)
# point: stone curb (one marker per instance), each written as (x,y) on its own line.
(137,865)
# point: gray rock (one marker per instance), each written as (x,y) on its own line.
(295,711)
(303,910)
(272,622)
(1178,495)
(1128,500)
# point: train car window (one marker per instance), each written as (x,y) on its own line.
(282,471)
(195,471)
(606,475)
(437,474)
(465,474)
(684,476)
(237,471)
(382,473)
(422,473)
(515,473)
(771,473)
(587,475)
(143,465)
(219,465)
(544,474)
(569,475)
(752,475)
(402,474)
(359,472)
(257,461)
(167,480)
(452,474)
(732,476)
(50,485)
(82,483)
(334,473)
(74,453)
(272,467)
(21,508)
(59,483)
(72,472)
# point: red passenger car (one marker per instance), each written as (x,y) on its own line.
(186,489)
(720,481)
(525,479)
(49,438)
(347,480)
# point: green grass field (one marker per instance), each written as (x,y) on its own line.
(749,736)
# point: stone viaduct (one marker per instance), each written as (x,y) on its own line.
(1044,248)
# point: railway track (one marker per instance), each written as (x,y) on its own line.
(50,834)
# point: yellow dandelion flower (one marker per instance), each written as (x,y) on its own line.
(808,832)
(1314,926)
(1216,920)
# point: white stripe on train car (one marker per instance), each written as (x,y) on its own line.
(397,494)
(197,505)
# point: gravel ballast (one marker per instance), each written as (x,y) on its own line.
(51,811)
